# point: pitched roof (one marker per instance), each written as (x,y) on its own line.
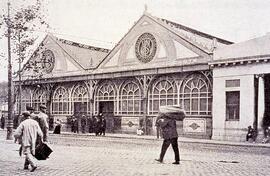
(255,47)
(86,56)
(197,38)
(203,41)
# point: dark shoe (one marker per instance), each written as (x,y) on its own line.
(176,162)
(33,168)
(158,160)
(25,168)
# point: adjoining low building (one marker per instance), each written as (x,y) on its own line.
(158,62)
(241,88)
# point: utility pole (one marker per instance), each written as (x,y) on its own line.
(10,93)
(20,81)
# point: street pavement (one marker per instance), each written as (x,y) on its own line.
(81,155)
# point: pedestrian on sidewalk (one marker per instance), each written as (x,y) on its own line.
(28,130)
(102,125)
(57,129)
(3,121)
(170,136)
(159,132)
(83,123)
(251,134)
(42,119)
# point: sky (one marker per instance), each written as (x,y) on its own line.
(104,22)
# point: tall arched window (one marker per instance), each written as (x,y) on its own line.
(196,96)
(80,99)
(39,97)
(163,93)
(105,93)
(25,100)
(60,101)
(130,99)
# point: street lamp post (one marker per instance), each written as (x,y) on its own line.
(10,93)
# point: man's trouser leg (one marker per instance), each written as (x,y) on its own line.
(175,148)
(165,145)
(26,163)
(28,156)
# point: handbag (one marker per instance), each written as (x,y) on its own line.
(42,151)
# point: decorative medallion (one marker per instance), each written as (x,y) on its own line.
(146,47)
(47,61)
(194,126)
(130,124)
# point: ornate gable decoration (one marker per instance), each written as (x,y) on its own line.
(146,47)
(47,61)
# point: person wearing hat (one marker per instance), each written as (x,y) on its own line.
(28,130)
(41,118)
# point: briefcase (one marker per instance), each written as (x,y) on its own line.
(42,151)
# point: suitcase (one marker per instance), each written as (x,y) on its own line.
(42,151)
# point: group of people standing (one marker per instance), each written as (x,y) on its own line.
(95,124)
(32,130)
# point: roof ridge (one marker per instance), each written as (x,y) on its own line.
(189,29)
(80,45)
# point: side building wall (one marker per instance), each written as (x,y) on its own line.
(235,130)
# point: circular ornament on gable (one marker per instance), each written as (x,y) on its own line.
(47,61)
(146,47)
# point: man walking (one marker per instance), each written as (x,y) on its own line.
(42,118)
(169,133)
(28,130)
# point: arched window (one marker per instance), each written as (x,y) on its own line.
(60,101)
(80,100)
(163,93)
(196,96)
(39,97)
(105,93)
(130,99)
(25,100)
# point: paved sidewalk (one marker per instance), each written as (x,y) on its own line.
(131,155)
(149,137)
(180,139)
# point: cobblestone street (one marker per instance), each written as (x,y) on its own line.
(116,156)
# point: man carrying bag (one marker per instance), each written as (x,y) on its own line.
(167,122)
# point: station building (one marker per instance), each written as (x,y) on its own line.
(158,62)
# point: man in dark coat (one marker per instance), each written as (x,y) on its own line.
(169,133)
(102,125)
(3,121)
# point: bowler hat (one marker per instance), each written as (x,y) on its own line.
(42,107)
(26,113)
(29,108)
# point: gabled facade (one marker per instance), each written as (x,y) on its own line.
(158,62)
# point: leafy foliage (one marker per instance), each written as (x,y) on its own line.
(23,23)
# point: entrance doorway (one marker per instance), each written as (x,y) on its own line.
(107,109)
(80,108)
(266,117)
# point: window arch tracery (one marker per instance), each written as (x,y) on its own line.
(26,100)
(196,95)
(130,99)
(39,97)
(60,101)
(105,92)
(80,99)
(163,92)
